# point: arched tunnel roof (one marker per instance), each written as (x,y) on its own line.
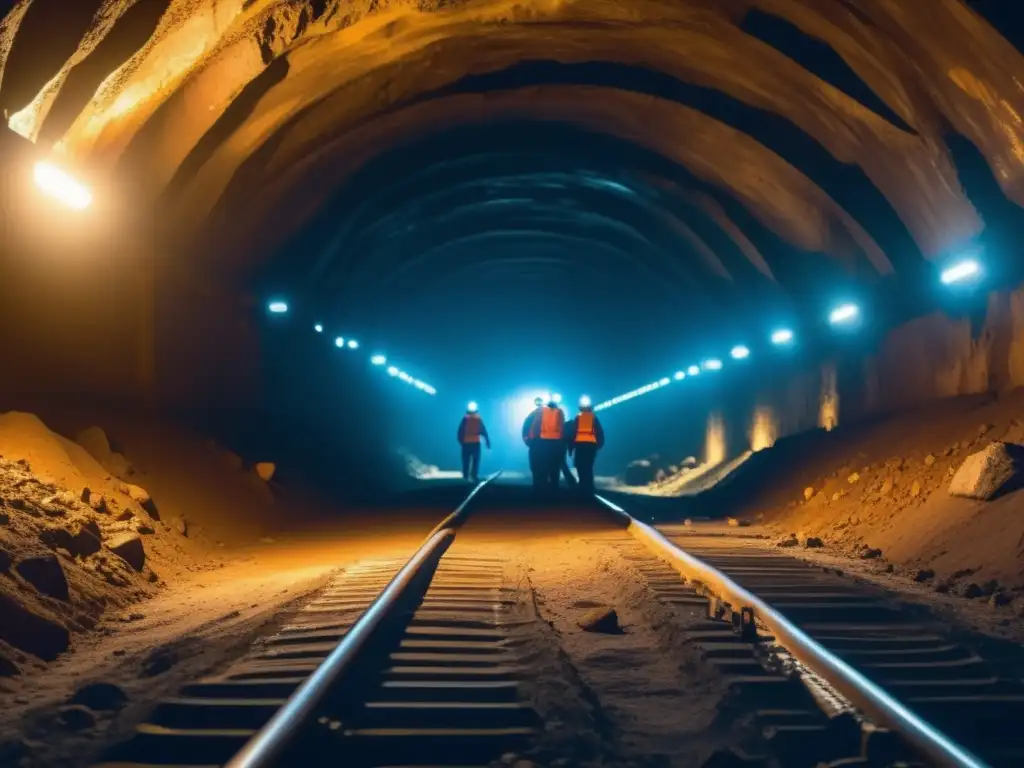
(707,154)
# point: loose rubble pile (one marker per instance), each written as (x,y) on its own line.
(930,510)
(66,555)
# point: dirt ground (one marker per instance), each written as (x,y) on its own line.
(634,695)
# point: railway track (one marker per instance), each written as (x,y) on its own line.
(874,650)
(417,664)
(433,678)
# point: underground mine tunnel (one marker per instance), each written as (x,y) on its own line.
(547,383)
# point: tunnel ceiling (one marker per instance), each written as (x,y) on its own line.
(704,153)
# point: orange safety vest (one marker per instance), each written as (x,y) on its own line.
(471,431)
(551,422)
(585,428)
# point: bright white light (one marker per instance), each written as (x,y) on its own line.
(429,389)
(379,359)
(584,402)
(393,370)
(739,352)
(62,186)
(679,376)
(556,398)
(353,344)
(278,307)
(960,271)
(714,364)
(339,341)
(782,336)
(472,407)
(844,313)
(693,370)
(663,382)
(318,328)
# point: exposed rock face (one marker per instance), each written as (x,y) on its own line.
(985,473)
(604,620)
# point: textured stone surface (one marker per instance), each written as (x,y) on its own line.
(985,473)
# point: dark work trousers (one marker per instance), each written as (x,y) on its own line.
(554,455)
(585,454)
(470,461)
(570,478)
(537,468)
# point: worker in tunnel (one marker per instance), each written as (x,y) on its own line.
(471,431)
(544,434)
(584,437)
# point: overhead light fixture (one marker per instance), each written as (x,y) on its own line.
(318,328)
(739,352)
(960,272)
(844,313)
(679,376)
(714,364)
(584,402)
(379,359)
(277,307)
(61,185)
(353,344)
(556,398)
(339,341)
(393,370)
(693,370)
(664,381)
(782,336)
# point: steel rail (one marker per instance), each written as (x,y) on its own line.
(848,681)
(279,733)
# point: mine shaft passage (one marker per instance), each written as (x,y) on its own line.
(535,383)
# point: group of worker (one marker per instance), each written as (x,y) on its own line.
(548,439)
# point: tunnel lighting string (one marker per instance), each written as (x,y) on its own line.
(377,359)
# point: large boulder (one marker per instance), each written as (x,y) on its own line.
(31,632)
(141,497)
(984,474)
(639,472)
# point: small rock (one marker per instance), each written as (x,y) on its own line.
(266,469)
(145,529)
(141,497)
(733,522)
(814,543)
(886,488)
(98,502)
(969,591)
(1000,598)
(792,541)
(890,568)
(924,574)
(16,503)
(915,489)
(45,573)
(942,587)
(604,620)
(853,479)
(837,495)
(76,717)
(929,460)
(87,540)
(101,697)
(129,548)
(808,493)
(125,516)
(870,553)
(86,495)
(181,526)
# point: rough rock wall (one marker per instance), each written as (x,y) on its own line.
(925,359)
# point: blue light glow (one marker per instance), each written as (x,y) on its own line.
(679,376)
(961,272)
(782,336)
(739,352)
(278,307)
(379,359)
(319,328)
(844,313)
(339,341)
(714,364)
(353,344)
